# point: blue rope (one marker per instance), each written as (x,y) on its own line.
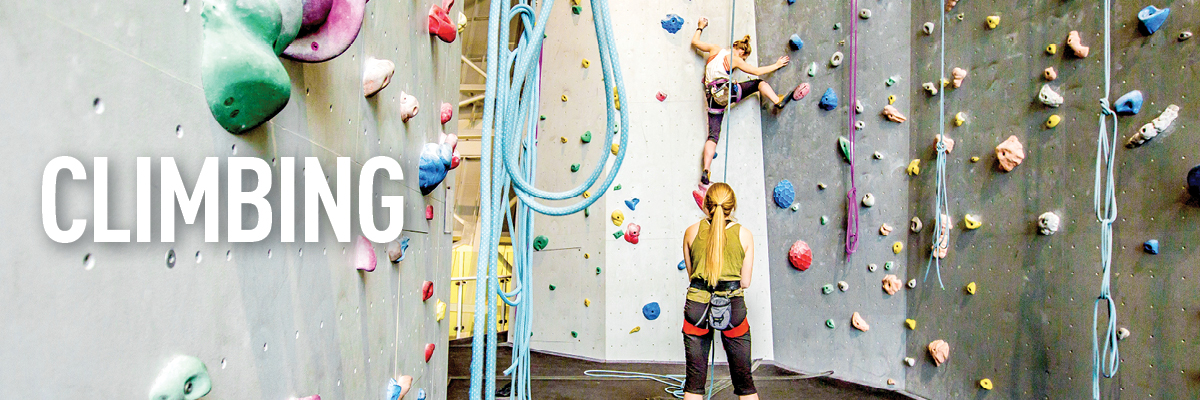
(1105,199)
(729,89)
(508,161)
(941,202)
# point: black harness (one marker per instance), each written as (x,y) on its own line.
(719,313)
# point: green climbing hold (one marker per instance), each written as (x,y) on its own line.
(244,82)
(597,270)
(184,378)
(574,167)
(812,69)
(552,287)
(540,242)
(824,220)
(576,10)
(827,289)
(586,213)
(844,144)
(891,81)
(618,234)
(837,26)
(618,187)
(889,265)
(543,117)
(586,137)
(829,323)
(574,334)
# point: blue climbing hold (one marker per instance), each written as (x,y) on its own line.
(420,394)
(1193,182)
(672,23)
(434,163)
(394,389)
(1151,246)
(714,155)
(790,2)
(785,194)
(632,203)
(651,311)
(1129,103)
(829,100)
(795,42)
(403,248)
(1151,18)
(681,265)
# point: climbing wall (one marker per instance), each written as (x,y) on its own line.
(269,319)
(801,145)
(661,169)
(1028,327)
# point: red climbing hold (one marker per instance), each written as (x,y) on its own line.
(800,255)
(447,112)
(313,397)
(698,194)
(439,22)
(661,96)
(632,232)
(429,212)
(364,255)
(426,290)
(428,351)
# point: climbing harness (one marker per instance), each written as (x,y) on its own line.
(1105,198)
(508,161)
(941,202)
(852,194)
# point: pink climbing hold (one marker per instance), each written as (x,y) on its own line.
(800,255)
(439,22)
(698,194)
(426,290)
(801,91)
(959,75)
(313,397)
(857,321)
(447,112)
(408,106)
(429,212)
(632,231)
(1010,153)
(661,96)
(940,351)
(891,284)
(428,351)
(364,254)
(331,25)
(1076,45)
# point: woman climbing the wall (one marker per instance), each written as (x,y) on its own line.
(718,69)
(719,254)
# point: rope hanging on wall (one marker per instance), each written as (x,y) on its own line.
(729,89)
(941,203)
(852,194)
(1105,199)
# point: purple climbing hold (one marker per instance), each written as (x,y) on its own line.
(1129,103)
(829,100)
(672,23)
(1193,182)
(651,311)
(784,194)
(632,203)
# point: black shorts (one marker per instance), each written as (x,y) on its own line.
(744,89)
(697,339)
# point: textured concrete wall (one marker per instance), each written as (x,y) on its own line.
(270,319)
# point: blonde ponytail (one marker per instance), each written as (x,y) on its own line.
(720,202)
(743,45)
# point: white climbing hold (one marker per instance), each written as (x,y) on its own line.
(858,107)
(408,106)
(927,28)
(865,13)
(910,361)
(1122,333)
(1048,223)
(1152,129)
(843,286)
(836,59)
(877,155)
(912,283)
(868,200)
(1049,97)
(859,125)
(930,88)
(376,75)
(872,267)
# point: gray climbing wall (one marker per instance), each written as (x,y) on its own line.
(270,319)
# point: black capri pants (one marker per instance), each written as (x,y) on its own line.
(697,339)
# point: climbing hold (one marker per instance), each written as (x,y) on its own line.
(1151,246)
(574,334)
(1010,153)
(885,229)
(1193,182)
(795,42)
(821,186)
(795,207)
(618,218)
(837,26)
(1152,129)
(441,310)
(331,25)
(672,23)
(184,378)
(912,326)
(910,361)
(1049,74)
(857,321)
(1151,18)
(897,247)
(364,254)
(1052,49)
(1129,103)
(889,265)
(1122,334)
(800,255)
(972,221)
(844,146)
(244,83)
(891,284)
(993,21)
(616,147)
(872,267)
(562,139)
(829,100)
(943,236)
(429,212)
(868,200)
(1185,35)
(1048,223)
(985,383)
(434,162)
(376,75)
(959,75)
(576,9)
(396,250)
(1076,45)
(940,351)
(698,195)
(912,283)
(859,125)
(586,137)
(408,106)
(587,255)
(914,167)
(843,286)
(651,311)
(927,28)
(812,69)
(660,96)
(632,203)
(971,288)
(1049,97)
(865,13)
(426,290)
(914,225)
(682,266)
(784,194)
(893,114)
(960,118)
(1053,121)
(960,16)
(552,287)
(930,88)
(635,329)
(447,112)
(618,234)
(836,59)
(891,99)
(632,232)
(950,4)
(830,324)
(597,270)
(586,63)
(574,167)
(801,91)
(439,22)
(587,303)
(827,289)
(540,242)
(586,213)
(824,220)
(974,159)
(616,188)
(564,98)
(876,155)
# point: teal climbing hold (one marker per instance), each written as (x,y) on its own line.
(540,242)
(1151,18)
(827,289)
(618,234)
(244,82)
(184,378)
(574,167)
(576,9)
(888,265)
(597,270)
(824,220)
(542,117)
(844,145)
(829,100)
(552,287)
(830,324)
(1151,246)
(586,137)
(1129,103)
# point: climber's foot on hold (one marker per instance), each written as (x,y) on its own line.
(404,382)
(704,178)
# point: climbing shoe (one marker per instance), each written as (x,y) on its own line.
(704,177)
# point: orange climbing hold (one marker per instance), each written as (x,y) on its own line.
(940,351)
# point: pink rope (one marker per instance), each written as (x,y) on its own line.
(852,194)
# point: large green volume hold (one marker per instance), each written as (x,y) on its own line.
(244,82)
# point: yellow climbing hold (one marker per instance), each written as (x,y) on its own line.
(563,139)
(615,148)
(616,99)
(971,288)
(586,256)
(972,221)
(960,119)
(1053,121)
(564,98)
(945,82)
(618,218)
(1052,49)
(974,159)
(587,303)
(911,324)
(587,194)
(985,383)
(993,21)
(586,63)
(891,99)
(635,329)
(914,167)
(897,247)
(441,310)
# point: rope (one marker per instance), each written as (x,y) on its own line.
(852,96)
(1108,361)
(941,202)
(729,89)
(510,131)
(675,382)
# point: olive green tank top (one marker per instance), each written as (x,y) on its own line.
(731,268)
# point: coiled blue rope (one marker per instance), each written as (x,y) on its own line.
(941,201)
(510,133)
(1105,362)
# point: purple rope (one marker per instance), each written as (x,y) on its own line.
(852,194)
